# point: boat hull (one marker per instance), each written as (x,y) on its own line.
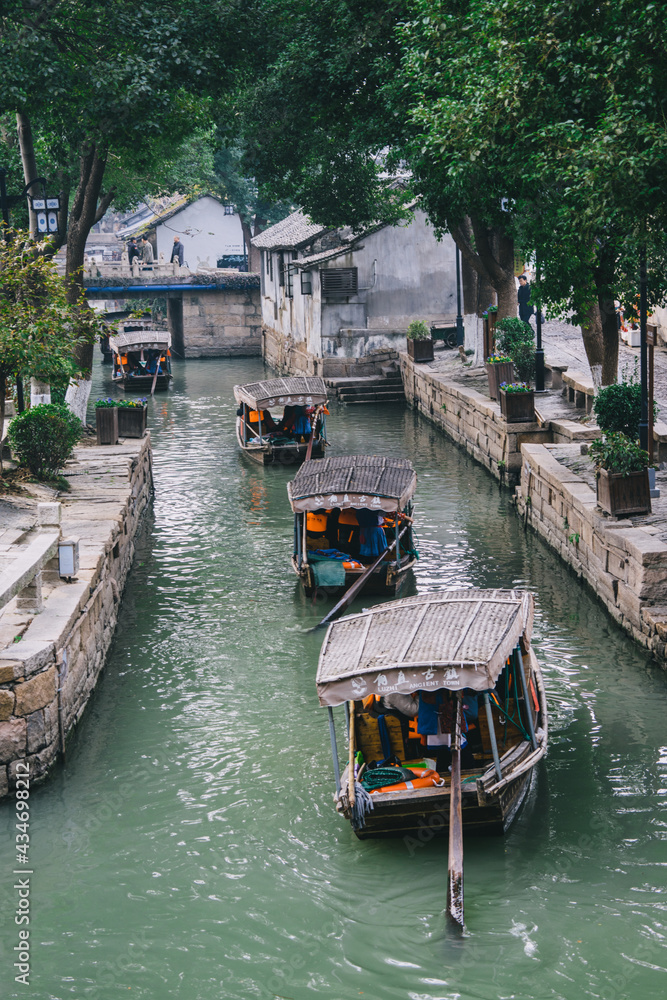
(428,816)
(388,580)
(293,453)
(488,805)
(140,383)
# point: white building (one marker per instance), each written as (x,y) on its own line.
(330,299)
(208,230)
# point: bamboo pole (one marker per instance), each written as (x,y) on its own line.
(492,735)
(526,698)
(350,777)
(334,749)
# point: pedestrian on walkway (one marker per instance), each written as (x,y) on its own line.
(146,251)
(177,251)
(525,309)
(132,251)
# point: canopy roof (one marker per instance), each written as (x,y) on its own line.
(452,639)
(137,340)
(353,481)
(297,391)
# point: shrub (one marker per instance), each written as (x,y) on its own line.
(44,436)
(618,407)
(617,453)
(516,339)
(418,330)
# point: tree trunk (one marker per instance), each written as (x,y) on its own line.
(604,282)
(29,162)
(591,330)
(87,209)
(253,253)
(490,252)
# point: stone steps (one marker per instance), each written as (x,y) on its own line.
(390,396)
(371,389)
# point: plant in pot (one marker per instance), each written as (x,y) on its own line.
(499,368)
(517,402)
(516,339)
(420,342)
(106,421)
(132,417)
(621,467)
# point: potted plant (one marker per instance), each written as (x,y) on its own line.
(517,402)
(132,417)
(420,342)
(516,339)
(499,368)
(106,421)
(621,467)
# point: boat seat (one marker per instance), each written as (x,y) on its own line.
(368,740)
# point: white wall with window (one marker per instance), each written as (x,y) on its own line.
(207,230)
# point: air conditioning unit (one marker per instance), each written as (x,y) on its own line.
(338,280)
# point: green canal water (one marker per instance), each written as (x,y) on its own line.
(189,848)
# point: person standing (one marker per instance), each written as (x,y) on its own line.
(146,251)
(177,251)
(132,251)
(525,308)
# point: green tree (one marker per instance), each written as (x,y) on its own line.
(39,325)
(554,114)
(105,91)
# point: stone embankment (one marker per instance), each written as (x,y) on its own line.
(54,634)
(625,562)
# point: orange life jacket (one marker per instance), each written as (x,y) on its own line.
(426,779)
(348,516)
(317,523)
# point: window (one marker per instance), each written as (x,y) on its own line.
(289,284)
(281,269)
(339,279)
(306,283)
(229,209)
(267,255)
(270,266)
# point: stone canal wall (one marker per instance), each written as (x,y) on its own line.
(54,635)
(470,419)
(626,566)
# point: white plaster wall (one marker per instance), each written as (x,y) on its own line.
(205,231)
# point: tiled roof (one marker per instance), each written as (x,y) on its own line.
(289,233)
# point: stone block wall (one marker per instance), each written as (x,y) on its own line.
(292,357)
(470,419)
(47,677)
(222,323)
(624,565)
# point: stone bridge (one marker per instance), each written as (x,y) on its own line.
(212,313)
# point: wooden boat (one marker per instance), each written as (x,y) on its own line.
(301,431)
(141,357)
(327,498)
(461,642)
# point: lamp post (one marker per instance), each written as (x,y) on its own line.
(460,332)
(539,350)
(643,352)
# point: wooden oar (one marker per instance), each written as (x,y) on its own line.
(455,861)
(352,592)
(157,369)
(309,450)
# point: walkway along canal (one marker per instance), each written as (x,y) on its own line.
(188,847)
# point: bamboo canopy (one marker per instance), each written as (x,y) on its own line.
(344,481)
(452,639)
(138,340)
(296,391)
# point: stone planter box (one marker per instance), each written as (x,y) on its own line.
(132,421)
(517,407)
(498,373)
(106,421)
(420,350)
(624,495)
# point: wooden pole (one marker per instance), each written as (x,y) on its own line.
(334,749)
(492,735)
(651,343)
(351,794)
(455,859)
